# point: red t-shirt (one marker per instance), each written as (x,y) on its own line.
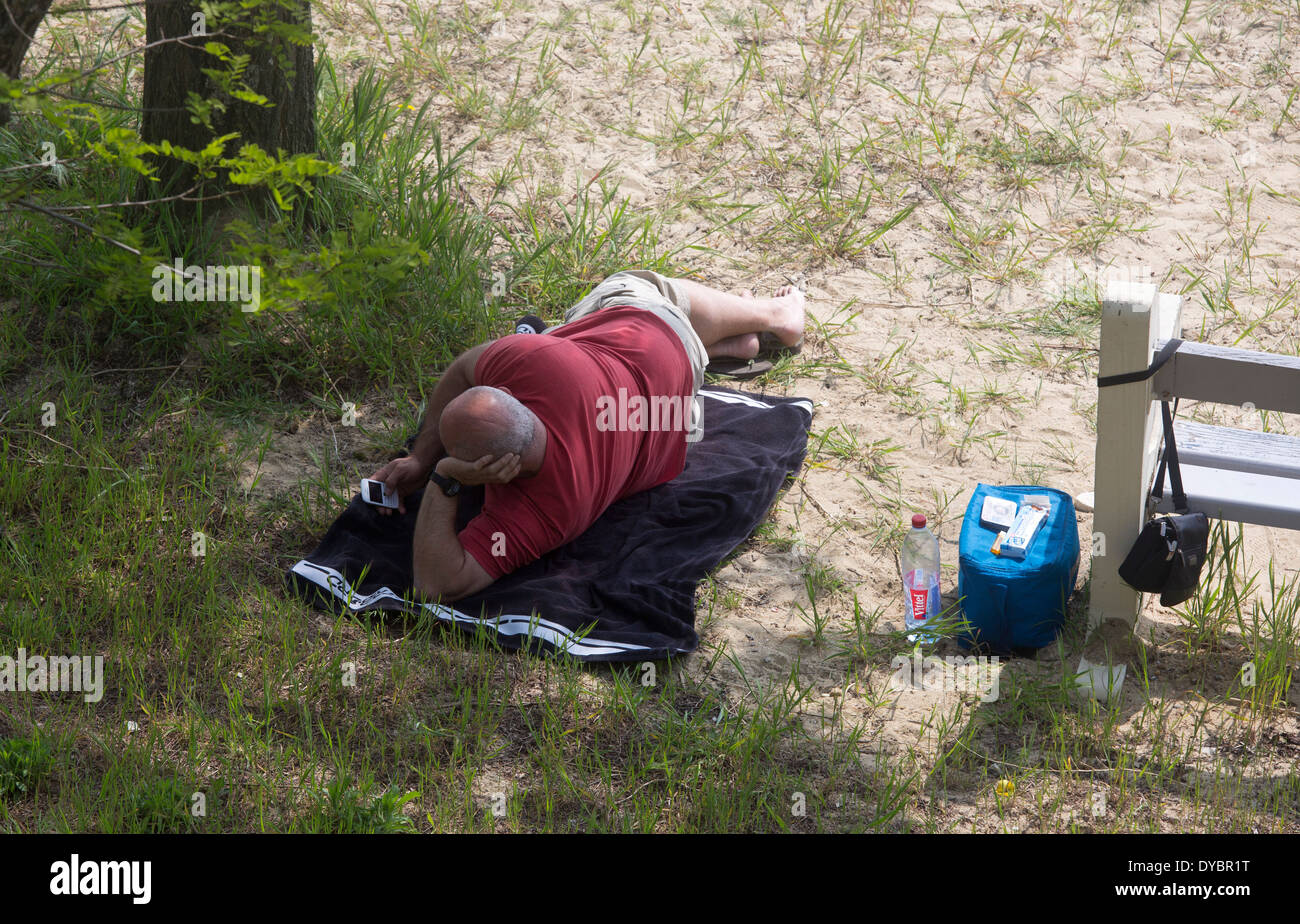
(583,383)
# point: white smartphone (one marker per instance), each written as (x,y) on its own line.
(377,493)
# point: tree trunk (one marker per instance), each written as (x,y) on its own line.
(19,20)
(174,69)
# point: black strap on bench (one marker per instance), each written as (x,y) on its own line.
(1124,378)
(1170,455)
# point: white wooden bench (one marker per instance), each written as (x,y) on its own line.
(1235,475)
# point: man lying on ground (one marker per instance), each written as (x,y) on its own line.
(550,423)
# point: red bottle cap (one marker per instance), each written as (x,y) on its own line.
(918,521)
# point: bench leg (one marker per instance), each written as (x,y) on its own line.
(1126,447)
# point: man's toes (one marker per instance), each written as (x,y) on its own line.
(789,330)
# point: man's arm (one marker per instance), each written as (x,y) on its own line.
(458,379)
(442,567)
(409,473)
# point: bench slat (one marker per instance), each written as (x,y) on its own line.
(1230,375)
(1238,497)
(1238,450)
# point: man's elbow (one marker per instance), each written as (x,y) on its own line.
(448,589)
(436,591)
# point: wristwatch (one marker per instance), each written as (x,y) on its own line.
(449,486)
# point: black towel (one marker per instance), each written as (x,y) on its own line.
(622,591)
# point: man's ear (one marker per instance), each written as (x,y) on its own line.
(504,389)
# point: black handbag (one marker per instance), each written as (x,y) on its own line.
(1169,552)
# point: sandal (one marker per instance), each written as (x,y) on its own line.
(530,324)
(738,368)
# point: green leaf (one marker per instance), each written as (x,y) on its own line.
(248,96)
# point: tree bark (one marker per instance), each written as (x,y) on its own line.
(174,69)
(19,20)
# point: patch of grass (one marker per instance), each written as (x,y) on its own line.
(162,806)
(1221,594)
(562,246)
(344,809)
(24,763)
(841,443)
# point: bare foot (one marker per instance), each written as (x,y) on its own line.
(787,305)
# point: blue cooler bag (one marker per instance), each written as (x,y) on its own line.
(1017,603)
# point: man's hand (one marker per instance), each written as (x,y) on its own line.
(402,477)
(487,470)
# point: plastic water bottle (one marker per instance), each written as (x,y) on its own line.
(920,565)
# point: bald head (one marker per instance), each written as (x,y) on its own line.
(485,421)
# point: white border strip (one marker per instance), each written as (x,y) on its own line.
(802,403)
(510,625)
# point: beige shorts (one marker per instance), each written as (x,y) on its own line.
(654,293)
